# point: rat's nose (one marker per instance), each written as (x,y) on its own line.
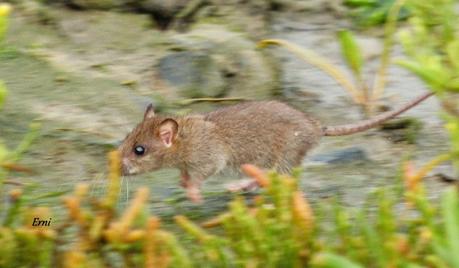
(125,167)
(124,171)
(128,168)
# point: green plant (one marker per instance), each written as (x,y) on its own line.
(434,24)
(362,93)
(8,158)
(2,93)
(279,229)
(5,10)
(368,13)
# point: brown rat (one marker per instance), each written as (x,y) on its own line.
(269,134)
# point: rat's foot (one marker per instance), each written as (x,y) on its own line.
(194,194)
(185,179)
(242,185)
(192,185)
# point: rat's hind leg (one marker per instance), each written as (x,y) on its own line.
(242,185)
(292,156)
(283,166)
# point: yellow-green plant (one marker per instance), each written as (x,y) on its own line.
(8,162)
(8,158)
(2,93)
(360,91)
(278,229)
(5,10)
(432,46)
(281,230)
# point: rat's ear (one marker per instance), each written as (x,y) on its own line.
(167,131)
(149,112)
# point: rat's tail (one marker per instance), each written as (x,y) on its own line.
(370,123)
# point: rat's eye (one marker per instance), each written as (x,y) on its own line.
(139,150)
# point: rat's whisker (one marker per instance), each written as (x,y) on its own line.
(96,183)
(121,185)
(102,189)
(127,189)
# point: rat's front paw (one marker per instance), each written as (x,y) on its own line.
(194,194)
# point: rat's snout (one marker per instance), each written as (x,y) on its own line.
(127,168)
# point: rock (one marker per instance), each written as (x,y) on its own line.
(94,4)
(168,8)
(212,61)
(402,129)
(162,11)
(193,73)
(445,173)
(347,155)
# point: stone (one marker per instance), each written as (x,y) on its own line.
(343,156)
(95,4)
(194,74)
(405,129)
(212,61)
(167,8)
(162,11)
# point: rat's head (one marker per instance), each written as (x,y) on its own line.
(145,148)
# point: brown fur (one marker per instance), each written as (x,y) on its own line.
(267,134)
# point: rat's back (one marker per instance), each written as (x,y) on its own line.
(269,134)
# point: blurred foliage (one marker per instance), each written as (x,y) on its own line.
(8,157)
(279,229)
(434,24)
(368,13)
(5,10)
(351,52)
(2,93)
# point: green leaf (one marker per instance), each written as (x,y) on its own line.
(48,195)
(372,239)
(3,152)
(453,53)
(453,84)
(431,74)
(29,138)
(3,27)
(358,3)
(408,42)
(330,260)
(441,251)
(2,93)
(450,206)
(350,51)
(413,265)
